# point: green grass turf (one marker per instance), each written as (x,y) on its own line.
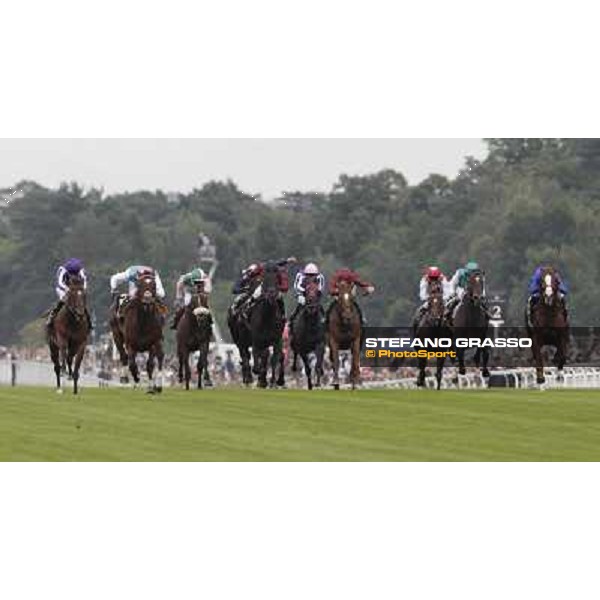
(255,425)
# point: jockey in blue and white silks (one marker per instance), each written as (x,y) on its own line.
(131,275)
(311,272)
(73,267)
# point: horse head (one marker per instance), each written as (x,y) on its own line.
(345,300)
(313,295)
(270,283)
(199,295)
(475,286)
(436,307)
(549,286)
(76,298)
(146,289)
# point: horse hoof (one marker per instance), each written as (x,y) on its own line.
(209,384)
(60,391)
(485,373)
(158,389)
(462,371)
(336,386)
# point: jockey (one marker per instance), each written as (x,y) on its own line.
(431,274)
(186,285)
(354,279)
(458,286)
(535,284)
(458,283)
(73,267)
(131,276)
(248,284)
(311,272)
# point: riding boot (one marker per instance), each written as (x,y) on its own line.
(281,307)
(52,314)
(177,317)
(294,315)
(363,321)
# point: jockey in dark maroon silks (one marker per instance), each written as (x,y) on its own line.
(246,288)
(353,278)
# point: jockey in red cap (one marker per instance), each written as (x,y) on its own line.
(355,280)
(431,276)
(248,284)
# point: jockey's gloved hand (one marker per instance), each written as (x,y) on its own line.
(301,300)
(370,289)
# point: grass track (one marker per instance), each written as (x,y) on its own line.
(241,425)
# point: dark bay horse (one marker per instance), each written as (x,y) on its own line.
(194,331)
(67,336)
(344,331)
(308,334)
(267,322)
(239,327)
(548,324)
(142,330)
(433,325)
(472,321)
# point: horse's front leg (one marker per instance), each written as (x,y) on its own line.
(536,349)
(77,366)
(335,364)
(159,380)
(55,357)
(485,355)
(460,353)
(307,370)
(207,379)
(422,362)
(133,368)
(355,370)
(439,371)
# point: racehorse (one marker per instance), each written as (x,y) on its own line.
(547,324)
(67,336)
(471,320)
(308,334)
(116,326)
(267,322)
(344,333)
(194,331)
(142,330)
(239,327)
(432,325)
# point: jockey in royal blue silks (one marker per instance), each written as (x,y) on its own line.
(535,287)
(70,269)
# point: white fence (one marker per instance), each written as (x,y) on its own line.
(29,372)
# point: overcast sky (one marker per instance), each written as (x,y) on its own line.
(258,166)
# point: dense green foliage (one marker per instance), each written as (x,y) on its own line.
(530,200)
(294,425)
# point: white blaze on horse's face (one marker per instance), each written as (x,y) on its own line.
(346,297)
(548,285)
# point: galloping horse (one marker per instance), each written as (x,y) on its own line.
(267,322)
(344,333)
(548,324)
(471,320)
(142,326)
(67,337)
(193,334)
(239,327)
(308,334)
(433,325)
